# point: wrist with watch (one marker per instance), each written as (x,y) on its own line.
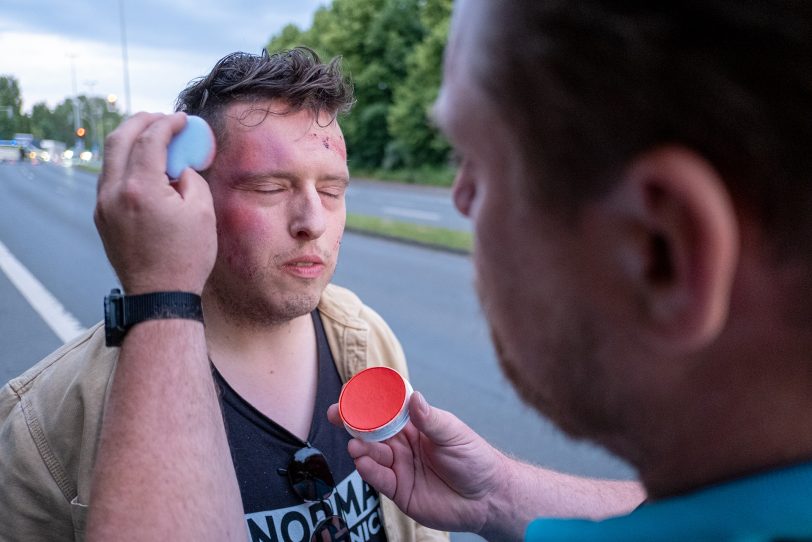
(121,312)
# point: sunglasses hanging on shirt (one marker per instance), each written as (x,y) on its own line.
(310,478)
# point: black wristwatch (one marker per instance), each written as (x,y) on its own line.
(121,312)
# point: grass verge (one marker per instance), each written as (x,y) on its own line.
(94,169)
(453,240)
(430,175)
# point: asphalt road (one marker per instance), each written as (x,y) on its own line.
(425,295)
(426,205)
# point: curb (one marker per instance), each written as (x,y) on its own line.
(413,242)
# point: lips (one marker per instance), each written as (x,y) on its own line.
(304,267)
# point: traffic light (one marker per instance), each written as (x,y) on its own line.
(80,132)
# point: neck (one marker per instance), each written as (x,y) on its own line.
(730,422)
(273,367)
(255,343)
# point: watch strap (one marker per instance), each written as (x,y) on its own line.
(121,312)
(161,305)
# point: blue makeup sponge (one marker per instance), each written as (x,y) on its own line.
(192,147)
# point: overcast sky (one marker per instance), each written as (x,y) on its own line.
(169,43)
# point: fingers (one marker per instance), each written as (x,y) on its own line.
(192,187)
(117,147)
(157,236)
(148,154)
(332,415)
(441,427)
(381,478)
(377,451)
(373,461)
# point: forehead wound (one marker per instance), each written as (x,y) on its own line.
(330,142)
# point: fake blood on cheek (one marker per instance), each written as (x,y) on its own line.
(240,227)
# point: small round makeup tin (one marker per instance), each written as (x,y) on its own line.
(374,404)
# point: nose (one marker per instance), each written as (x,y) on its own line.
(463,192)
(307,219)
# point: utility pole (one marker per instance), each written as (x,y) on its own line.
(95,117)
(124,58)
(80,144)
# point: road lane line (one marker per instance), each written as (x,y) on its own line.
(412,213)
(63,323)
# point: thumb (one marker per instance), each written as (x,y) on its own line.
(191,186)
(440,426)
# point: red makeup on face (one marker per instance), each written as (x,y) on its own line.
(279,223)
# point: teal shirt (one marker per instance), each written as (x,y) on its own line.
(770,506)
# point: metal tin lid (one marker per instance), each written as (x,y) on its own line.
(374,404)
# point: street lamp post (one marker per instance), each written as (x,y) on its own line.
(124,57)
(95,117)
(80,144)
(111,103)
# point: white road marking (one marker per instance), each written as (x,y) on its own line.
(412,213)
(63,323)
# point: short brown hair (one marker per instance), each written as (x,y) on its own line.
(591,84)
(296,76)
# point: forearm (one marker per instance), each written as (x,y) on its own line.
(529,492)
(163,422)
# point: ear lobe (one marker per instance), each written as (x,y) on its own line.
(690,245)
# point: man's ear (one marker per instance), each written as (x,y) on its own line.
(681,250)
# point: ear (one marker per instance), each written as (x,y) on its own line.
(681,250)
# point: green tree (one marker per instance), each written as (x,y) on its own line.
(375,38)
(46,124)
(97,118)
(289,37)
(63,122)
(415,141)
(11,107)
(54,124)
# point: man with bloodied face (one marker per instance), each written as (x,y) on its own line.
(279,339)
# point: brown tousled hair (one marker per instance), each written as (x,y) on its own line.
(296,77)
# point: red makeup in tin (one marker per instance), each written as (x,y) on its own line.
(374,404)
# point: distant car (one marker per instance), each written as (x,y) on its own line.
(9,153)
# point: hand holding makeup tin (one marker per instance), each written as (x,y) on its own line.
(436,469)
(374,404)
(192,147)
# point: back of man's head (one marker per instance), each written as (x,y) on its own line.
(591,84)
(638,175)
(297,77)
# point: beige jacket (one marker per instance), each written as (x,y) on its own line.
(50,418)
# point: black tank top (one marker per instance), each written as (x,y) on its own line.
(260,446)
